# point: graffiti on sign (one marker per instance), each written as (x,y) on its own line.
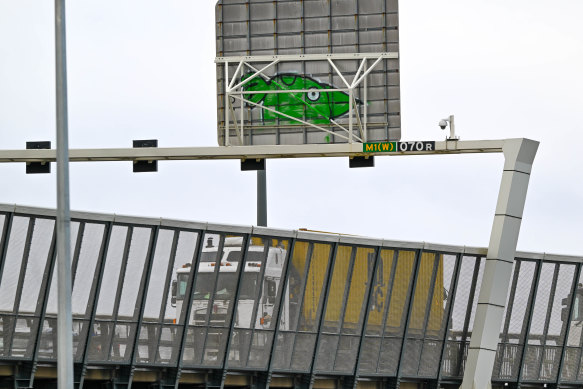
(296,97)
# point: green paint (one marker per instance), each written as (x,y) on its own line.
(313,106)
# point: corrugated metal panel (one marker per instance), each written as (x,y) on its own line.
(267,28)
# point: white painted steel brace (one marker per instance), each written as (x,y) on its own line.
(235,90)
(519,155)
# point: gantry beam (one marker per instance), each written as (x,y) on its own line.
(242,152)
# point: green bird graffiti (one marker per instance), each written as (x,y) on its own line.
(314,106)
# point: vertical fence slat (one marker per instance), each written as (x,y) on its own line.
(449,313)
(93,299)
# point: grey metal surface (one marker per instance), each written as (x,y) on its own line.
(64,321)
(284,27)
(262,198)
(341,306)
(244,152)
(482,353)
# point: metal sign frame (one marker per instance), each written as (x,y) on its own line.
(234,89)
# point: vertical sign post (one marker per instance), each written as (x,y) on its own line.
(518,155)
(64,323)
(262,198)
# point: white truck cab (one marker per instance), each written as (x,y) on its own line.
(226,286)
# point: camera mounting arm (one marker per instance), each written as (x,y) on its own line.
(443,124)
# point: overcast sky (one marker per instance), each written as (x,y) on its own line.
(141,69)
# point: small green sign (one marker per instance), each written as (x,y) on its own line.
(382,147)
(392,147)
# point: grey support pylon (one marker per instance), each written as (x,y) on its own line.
(519,155)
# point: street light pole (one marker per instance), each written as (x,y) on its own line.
(65,321)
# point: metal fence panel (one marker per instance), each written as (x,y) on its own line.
(511,348)
(159,297)
(456,339)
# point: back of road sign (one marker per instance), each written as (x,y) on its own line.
(308,71)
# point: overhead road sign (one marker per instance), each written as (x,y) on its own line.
(246,152)
(305,72)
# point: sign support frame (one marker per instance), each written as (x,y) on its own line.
(519,156)
(234,89)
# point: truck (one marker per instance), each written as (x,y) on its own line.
(220,289)
(226,283)
(306,284)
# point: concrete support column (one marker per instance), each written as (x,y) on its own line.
(519,155)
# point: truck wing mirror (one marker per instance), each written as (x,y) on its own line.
(564,314)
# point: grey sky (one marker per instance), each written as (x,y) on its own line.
(144,69)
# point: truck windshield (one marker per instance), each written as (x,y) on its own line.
(204,287)
(226,286)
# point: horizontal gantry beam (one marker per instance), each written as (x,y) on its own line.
(306,57)
(243,152)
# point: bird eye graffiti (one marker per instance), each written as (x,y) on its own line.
(313,95)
